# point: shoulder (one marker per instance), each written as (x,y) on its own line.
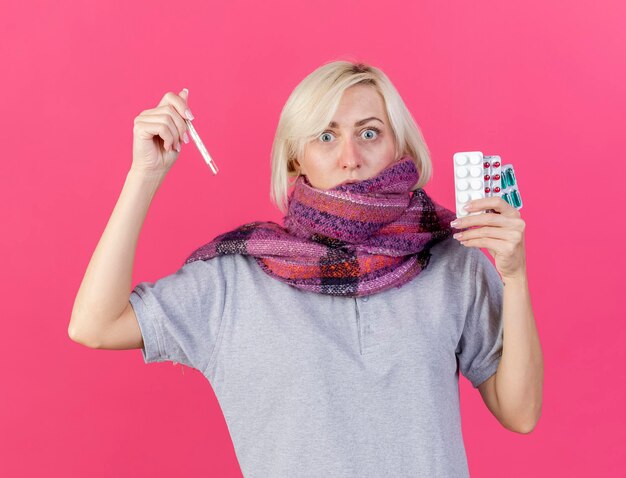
(224,263)
(450,254)
(469,265)
(454,265)
(234,271)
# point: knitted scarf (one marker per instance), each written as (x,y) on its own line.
(352,240)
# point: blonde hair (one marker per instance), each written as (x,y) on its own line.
(311,107)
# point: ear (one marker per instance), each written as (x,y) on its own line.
(297,166)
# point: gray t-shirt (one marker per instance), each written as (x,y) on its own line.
(315,385)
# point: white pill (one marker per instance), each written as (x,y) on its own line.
(461,159)
(462,185)
(476,171)
(462,172)
(477,184)
(463,197)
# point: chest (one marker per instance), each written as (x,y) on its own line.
(403,331)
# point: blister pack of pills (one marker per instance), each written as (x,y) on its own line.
(477,176)
(510,191)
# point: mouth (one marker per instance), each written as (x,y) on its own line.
(349,181)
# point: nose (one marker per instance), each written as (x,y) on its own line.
(350,157)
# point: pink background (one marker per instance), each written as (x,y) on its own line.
(542,85)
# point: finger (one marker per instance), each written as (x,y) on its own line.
(178,102)
(486,219)
(157,125)
(494,232)
(493,202)
(497,245)
(171,117)
(184,94)
(155,116)
(177,120)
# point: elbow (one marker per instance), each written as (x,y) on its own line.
(526,428)
(522,419)
(74,333)
(523,427)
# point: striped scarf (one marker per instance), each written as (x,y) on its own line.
(352,240)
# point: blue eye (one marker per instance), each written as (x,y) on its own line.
(371,128)
(323,134)
(376,130)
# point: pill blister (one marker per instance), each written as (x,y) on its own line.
(477,176)
(468,179)
(510,191)
(492,175)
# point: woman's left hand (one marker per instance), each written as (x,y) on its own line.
(500,232)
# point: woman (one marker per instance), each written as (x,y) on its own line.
(333,343)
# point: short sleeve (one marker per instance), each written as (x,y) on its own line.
(180,315)
(480,346)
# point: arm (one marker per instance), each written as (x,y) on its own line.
(104,292)
(514,392)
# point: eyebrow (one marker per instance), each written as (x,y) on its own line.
(358,123)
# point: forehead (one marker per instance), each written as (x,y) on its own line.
(358,102)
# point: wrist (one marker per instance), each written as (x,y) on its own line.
(145,175)
(517,278)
